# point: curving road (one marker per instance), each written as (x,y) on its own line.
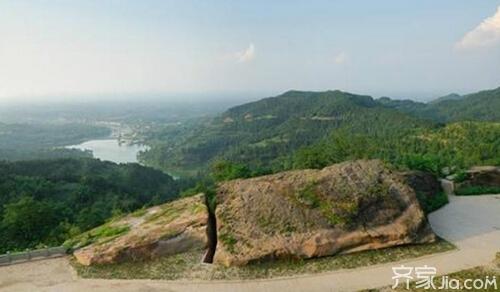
(471,223)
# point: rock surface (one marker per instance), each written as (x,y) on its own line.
(162,230)
(423,183)
(343,208)
(487,176)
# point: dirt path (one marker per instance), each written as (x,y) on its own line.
(471,223)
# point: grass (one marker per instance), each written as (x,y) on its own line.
(188,266)
(477,190)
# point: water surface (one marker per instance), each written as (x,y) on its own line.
(111,150)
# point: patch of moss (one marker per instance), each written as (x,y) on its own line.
(333,218)
(378,190)
(229,241)
(166,214)
(139,213)
(101,234)
(197,208)
(335,212)
(308,196)
(288,228)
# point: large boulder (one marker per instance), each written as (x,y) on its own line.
(343,208)
(162,230)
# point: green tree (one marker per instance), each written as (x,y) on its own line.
(27,221)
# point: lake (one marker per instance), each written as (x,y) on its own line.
(111,150)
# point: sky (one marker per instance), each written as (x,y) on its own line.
(73,50)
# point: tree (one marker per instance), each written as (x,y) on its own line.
(27,221)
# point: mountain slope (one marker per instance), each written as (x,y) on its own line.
(455,146)
(479,106)
(451,96)
(43,202)
(257,133)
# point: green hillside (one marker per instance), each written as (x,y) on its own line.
(45,140)
(260,132)
(456,146)
(48,201)
(480,106)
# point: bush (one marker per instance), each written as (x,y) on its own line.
(432,203)
(477,190)
(225,170)
(428,163)
(460,176)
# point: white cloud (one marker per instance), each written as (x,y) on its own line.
(341,58)
(485,34)
(246,55)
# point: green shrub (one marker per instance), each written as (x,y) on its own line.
(432,203)
(460,176)
(429,163)
(477,190)
(223,170)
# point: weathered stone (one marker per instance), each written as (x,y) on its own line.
(422,182)
(487,176)
(426,185)
(343,208)
(162,230)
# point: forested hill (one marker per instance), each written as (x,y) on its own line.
(257,133)
(480,106)
(48,201)
(45,140)
(301,103)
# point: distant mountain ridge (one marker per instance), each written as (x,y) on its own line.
(480,106)
(451,96)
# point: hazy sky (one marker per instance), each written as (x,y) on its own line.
(398,48)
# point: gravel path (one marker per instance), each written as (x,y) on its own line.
(471,223)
